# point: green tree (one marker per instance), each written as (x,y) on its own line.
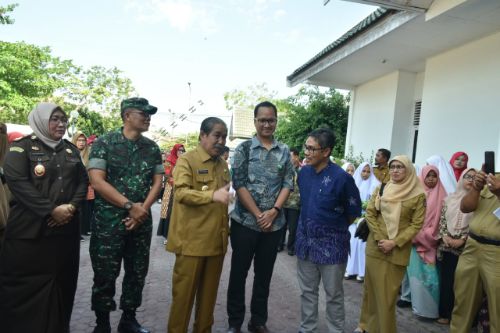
(28,74)
(4,18)
(248,98)
(310,109)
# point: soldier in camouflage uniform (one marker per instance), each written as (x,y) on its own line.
(126,172)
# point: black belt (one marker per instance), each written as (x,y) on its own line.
(484,240)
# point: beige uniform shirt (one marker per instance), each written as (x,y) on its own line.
(198,226)
(382,174)
(483,222)
(410,222)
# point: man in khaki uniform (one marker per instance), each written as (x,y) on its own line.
(478,266)
(381,168)
(198,232)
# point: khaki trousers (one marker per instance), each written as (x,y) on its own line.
(194,276)
(380,292)
(478,269)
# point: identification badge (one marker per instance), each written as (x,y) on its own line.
(496,212)
(203,172)
(39,170)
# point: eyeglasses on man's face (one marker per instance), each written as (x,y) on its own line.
(268,121)
(311,148)
(397,167)
(469,177)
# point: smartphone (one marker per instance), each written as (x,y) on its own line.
(489,162)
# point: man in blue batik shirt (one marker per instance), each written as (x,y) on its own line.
(329,204)
(262,178)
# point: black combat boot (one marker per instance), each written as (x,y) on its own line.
(128,323)
(102,321)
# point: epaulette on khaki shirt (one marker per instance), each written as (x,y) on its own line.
(198,226)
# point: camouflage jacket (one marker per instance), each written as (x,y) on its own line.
(130,167)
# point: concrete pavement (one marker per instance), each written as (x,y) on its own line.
(284,301)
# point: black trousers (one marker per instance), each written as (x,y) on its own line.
(447,268)
(292,217)
(38,280)
(248,245)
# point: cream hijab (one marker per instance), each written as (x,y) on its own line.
(456,221)
(394,193)
(38,120)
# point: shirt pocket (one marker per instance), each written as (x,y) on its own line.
(39,164)
(204,182)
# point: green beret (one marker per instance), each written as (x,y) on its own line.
(138,103)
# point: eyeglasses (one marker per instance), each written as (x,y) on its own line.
(311,148)
(141,113)
(62,120)
(397,167)
(469,177)
(269,121)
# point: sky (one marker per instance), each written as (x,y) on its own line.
(178,52)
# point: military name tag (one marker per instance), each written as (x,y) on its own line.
(39,170)
(35,148)
(69,151)
(203,172)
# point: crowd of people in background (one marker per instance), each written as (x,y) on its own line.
(432,231)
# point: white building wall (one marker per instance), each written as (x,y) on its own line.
(402,137)
(461,102)
(372,115)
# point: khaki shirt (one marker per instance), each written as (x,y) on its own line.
(410,222)
(483,222)
(382,174)
(198,226)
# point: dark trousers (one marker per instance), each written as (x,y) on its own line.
(107,251)
(38,280)
(292,217)
(447,268)
(248,245)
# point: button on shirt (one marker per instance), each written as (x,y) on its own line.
(263,173)
(328,199)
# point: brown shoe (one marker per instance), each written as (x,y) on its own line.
(233,330)
(257,328)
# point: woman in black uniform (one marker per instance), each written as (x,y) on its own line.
(40,257)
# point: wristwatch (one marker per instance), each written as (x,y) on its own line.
(128,205)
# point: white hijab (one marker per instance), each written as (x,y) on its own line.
(366,187)
(39,122)
(446,173)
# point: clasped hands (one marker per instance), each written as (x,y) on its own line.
(386,246)
(61,215)
(137,216)
(452,242)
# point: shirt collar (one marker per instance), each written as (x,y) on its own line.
(256,143)
(204,156)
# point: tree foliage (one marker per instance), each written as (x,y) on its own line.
(248,98)
(310,109)
(4,10)
(28,74)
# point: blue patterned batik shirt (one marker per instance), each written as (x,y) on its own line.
(263,173)
(328,199)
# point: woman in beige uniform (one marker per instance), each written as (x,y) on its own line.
(394,218)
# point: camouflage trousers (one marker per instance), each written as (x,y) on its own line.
(107,250)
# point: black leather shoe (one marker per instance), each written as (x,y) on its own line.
(257,328)
(131,325)
(403,304)
(233,330)
(100,328)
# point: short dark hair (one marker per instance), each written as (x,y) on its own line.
(386,153)
(265,104)
(295,151)
(324,136)
(207,125)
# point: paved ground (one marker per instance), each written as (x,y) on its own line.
(284,314)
